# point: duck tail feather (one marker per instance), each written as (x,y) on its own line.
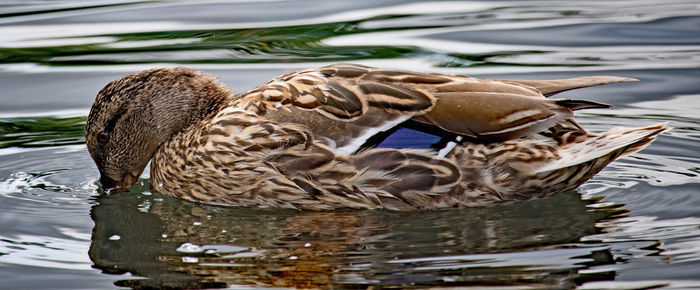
(552,87)
(613,144)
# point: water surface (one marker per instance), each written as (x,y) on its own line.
(635,225)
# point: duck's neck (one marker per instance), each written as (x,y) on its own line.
(187,107)
(182,135)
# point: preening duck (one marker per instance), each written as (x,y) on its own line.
(351,136)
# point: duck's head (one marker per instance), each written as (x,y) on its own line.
(134,115)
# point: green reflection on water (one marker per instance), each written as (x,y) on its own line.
(41,131)
(253,45)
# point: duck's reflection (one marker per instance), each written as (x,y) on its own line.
(147,236)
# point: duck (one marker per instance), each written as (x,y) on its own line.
(349,136)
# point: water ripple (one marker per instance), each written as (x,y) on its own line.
(44,251)
(637,223)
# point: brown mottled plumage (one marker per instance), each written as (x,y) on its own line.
(303,140)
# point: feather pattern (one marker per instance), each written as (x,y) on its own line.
(306,140)
(353,96)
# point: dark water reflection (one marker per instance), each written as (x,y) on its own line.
(148,235)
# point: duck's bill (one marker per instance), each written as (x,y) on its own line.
(118,186)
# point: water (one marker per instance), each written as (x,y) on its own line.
(635,225)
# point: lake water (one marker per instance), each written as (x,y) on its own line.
(635,225)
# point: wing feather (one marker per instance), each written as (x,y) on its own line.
(346,104)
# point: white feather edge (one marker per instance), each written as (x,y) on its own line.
(449,147)
(352,147)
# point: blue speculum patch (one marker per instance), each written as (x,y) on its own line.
(409,138)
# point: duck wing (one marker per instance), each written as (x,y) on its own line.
(344,105)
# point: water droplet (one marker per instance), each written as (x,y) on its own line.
(189,248)
(160,184)
(164,235)
(224,231)
(293,257)
(197,223)
(190,259)
(146,193)
(115,237)
(307,245)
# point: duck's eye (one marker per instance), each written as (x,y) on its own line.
(103,137)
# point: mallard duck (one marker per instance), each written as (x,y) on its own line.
(350,136)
